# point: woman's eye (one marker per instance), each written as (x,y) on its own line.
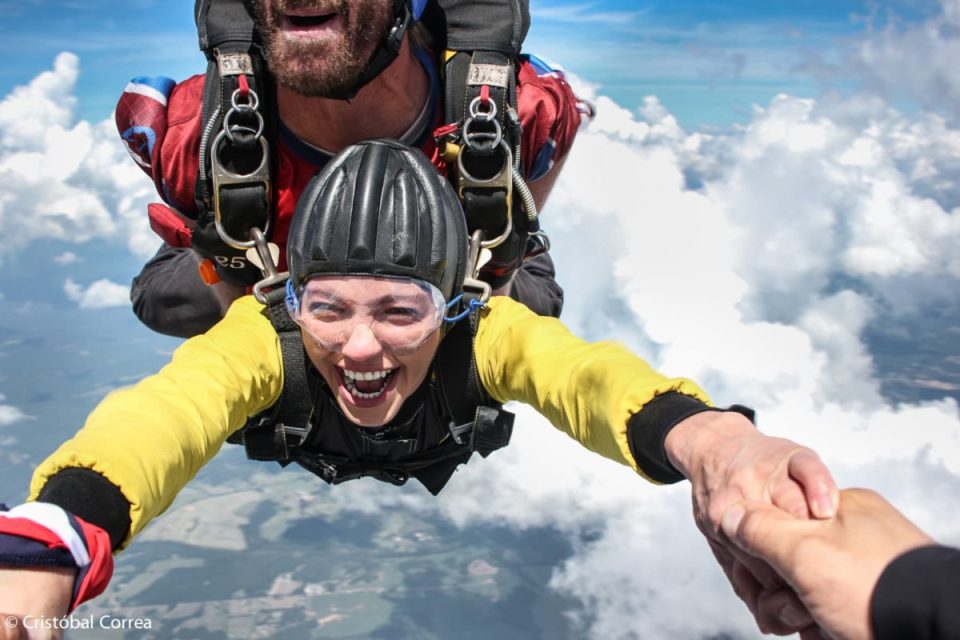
(402,314)
(325,311)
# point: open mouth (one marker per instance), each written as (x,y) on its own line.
(310,22)
(367,385)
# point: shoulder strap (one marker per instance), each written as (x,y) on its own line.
(477,421)
(239,115)
(482,138)
(273,434)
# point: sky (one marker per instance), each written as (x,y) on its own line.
(767,202)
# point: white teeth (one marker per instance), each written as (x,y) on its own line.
(366,375)
(350,379)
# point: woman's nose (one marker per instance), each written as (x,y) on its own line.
(362,344)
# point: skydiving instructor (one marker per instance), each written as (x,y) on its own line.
(338,72)
(363,367)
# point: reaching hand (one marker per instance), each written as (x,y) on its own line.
(727,462)
(36,594)
(833,565)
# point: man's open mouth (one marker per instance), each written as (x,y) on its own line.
(310,22)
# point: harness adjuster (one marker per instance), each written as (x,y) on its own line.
(290,438)
(224,179)
(462,434)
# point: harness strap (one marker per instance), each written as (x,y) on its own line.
(239,116)
(276,433)
(476,421)
(337,469)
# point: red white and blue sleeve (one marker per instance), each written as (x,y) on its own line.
(40,534)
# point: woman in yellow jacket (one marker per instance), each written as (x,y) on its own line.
(389,372)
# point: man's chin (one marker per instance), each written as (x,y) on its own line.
(310,83)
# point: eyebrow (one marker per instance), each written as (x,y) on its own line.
(386,299)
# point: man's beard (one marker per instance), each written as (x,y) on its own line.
(329,68)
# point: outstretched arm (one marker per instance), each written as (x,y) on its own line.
(146,442)
(617,405)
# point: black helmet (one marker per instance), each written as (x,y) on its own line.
(380,208)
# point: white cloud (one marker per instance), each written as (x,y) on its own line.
(63,179)
(10,414)
(99,295)
(65,258)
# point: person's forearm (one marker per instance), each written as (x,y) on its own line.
(588,390)
(90,496)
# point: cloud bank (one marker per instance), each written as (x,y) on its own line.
(64,179)
(753,261)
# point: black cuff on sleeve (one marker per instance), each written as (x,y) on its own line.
(647,431)
(88,495)
(915,596)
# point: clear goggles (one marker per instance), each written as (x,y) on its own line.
(401,313)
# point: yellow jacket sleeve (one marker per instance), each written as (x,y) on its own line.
(588,390)
(152,438)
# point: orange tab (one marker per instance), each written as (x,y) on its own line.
(208,272)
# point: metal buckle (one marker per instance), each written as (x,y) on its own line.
(287,432)
(502,179)
(223,177)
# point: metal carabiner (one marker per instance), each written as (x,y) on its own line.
(271,276)
(472,281)
(223,177)
(502,179)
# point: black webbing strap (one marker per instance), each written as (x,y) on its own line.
(266,436)
(459,385)
(337,469)
(485,25)
(481,100)
(296,400)
(228,37)
(223,23)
